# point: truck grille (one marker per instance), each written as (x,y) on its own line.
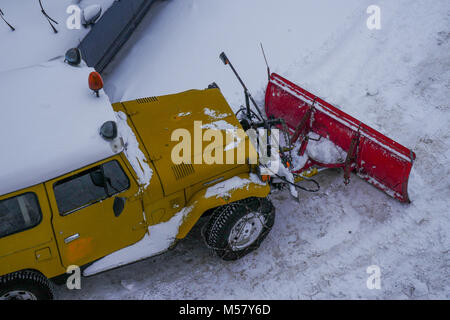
(147,100)
(183,170)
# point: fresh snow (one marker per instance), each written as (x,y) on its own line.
(395,80)
(49,123)
(219,125)
(90,12)
(34,41)
(224,188)
(184,114)
(323,150)
(214,114)
(298,161)
(157,240)
(132,151)
(222,125)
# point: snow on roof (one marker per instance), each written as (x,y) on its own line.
(49,124)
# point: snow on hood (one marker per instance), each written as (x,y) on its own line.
(219,125)
(214,114)
(224,189)
(222,125)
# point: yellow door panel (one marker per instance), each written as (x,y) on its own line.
(32,244)
(169,206)
(85,224)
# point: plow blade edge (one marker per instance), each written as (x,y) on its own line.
(374,157)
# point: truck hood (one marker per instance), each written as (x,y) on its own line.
(165,123)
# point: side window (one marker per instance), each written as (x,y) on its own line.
(78,191)
(19,213)
(117,179)
(90,186)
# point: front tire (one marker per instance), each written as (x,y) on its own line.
(25,285)
(238,228)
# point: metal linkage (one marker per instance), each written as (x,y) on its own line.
(248,96)
(269,123)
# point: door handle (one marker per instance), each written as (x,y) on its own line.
(71,238)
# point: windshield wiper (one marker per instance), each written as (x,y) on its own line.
(1,15)
(49,19)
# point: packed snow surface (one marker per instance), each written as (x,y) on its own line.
(396,79)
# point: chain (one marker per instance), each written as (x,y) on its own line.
(228,247)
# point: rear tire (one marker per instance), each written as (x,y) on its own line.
(25,285)
(238,228)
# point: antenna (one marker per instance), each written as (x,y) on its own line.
(265,59)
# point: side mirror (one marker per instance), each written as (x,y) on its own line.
(118,206)
(73,56)
(98,179)
(108,130)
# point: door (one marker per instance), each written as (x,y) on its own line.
(96,211)
(26,235)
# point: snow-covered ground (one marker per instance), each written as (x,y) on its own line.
(396,80)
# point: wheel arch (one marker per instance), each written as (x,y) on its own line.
(202,204)
(31,278)
(24,270)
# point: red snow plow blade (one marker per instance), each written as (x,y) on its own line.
(372,156)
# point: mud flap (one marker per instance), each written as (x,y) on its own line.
(374,157)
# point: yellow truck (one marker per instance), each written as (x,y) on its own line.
(89,184)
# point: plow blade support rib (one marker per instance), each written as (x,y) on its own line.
(378,159)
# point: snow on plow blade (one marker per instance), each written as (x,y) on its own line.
(372,156)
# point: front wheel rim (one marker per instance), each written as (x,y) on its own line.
(246,231)
(18,295)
